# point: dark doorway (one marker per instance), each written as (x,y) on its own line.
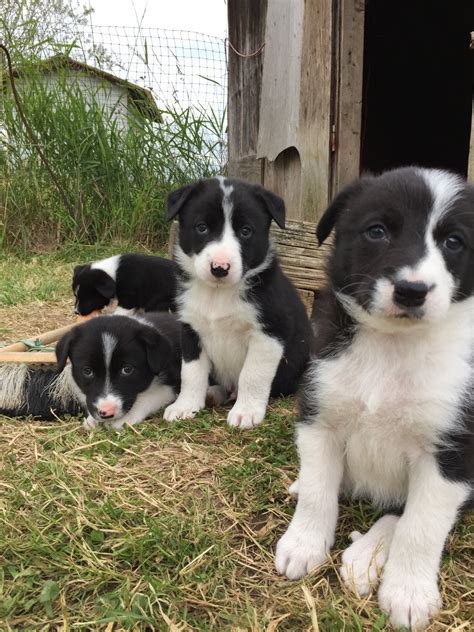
(418,80)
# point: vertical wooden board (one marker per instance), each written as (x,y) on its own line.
(349,66)
(249,168)
(279,104)
(283,177)
(315,108)
(246,22)
(470,167)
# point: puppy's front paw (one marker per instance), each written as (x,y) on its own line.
(90,423)
(244,417)
(298,552)
(411,601)
(118,425)
(180,410)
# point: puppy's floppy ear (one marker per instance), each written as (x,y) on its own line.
(274,205)
(158,349)
(340,203)
(177,199)
(77,272)
(64,347)
(105,285)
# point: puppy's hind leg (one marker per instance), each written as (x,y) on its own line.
(364,559)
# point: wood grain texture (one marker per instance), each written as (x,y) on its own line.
(281,77)
(246,32)
(470,168)
(36,357)
(315,108)
(349,48)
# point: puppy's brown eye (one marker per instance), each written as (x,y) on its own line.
(202,228)
(453,243)
(127,370)
(87,371)
(246,232)
(376,232)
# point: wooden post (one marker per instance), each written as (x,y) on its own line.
(246,19)
(349,70)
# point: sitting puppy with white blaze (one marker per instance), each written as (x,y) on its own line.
(387,408)
(244,322)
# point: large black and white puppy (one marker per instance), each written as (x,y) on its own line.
(244,322)
(137,282)
(387,409)
(123,368)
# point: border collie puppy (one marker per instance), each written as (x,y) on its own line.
(123,368)
(387,409)
(137,281)
(243,320)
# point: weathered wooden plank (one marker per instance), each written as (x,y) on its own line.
(36,357)
(470,168)
(246,20)
(315,108)
(349,72)
(248,168)
(281,77)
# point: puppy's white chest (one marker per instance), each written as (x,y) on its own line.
(389,397)
(224,322)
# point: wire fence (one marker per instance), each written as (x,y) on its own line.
(181,68)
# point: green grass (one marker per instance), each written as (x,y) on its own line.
(170,526)
(115,173)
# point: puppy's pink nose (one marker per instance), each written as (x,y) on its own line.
(220,267)
(107,409)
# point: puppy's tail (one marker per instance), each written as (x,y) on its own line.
(42,393)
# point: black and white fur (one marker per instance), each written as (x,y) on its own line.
(137,282)
(243,320)
(387,410)
(123,368)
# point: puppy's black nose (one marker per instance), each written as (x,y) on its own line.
(104,414)
(220,271)
(410,293)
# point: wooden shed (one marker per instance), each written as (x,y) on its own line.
(321,90)
(121,98)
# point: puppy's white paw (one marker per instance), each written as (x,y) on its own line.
(364,559)
(119,424)
(90,423)
(244,417)
(410,600)
(293,489)
(179,410)
(362,565)
(298,552)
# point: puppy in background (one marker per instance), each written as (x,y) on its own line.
(123,369)
(387,406)
(137,282)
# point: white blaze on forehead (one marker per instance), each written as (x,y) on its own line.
(109,342)
(227,205)
(109,266)
(445,187)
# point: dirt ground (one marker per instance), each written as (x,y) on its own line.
(31,319)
